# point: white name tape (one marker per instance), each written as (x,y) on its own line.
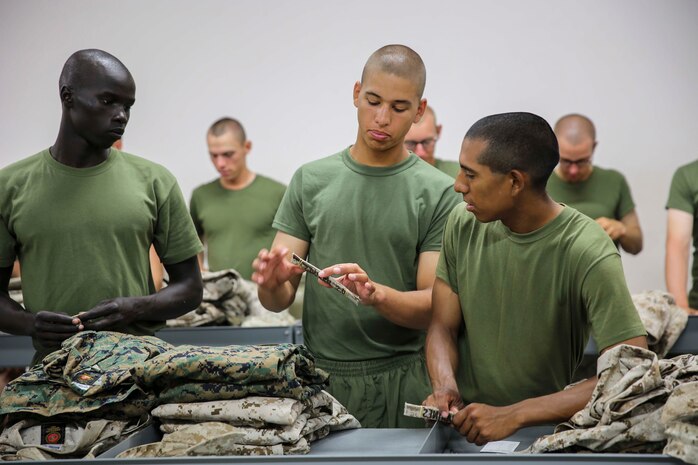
(500,447)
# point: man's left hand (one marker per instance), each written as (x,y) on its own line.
(481,423)
(354,278)
(614,228)
(110,313)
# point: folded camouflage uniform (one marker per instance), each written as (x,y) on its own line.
(89,373)
(262,426)
(198,373)
(623,414)
(680,420)
(663,319)
(15,289)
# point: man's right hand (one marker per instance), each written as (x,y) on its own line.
(446,400)
(272,268)
(50,328)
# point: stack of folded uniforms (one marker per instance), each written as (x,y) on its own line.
(80,400)
(229,300)
(238,400)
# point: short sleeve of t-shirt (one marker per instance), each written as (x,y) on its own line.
(175,237)
(609,307)
(626,204)
(433,238)
(680,196)
(446,267)
(7,246)
(289,217)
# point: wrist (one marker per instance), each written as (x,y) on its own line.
(379,296)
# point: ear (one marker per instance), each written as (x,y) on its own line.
(248,146)
(594,146)
(66,94)
(357,91)
(421,108)
(438,130)
(518,180)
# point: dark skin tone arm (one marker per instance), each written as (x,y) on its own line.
(50,328)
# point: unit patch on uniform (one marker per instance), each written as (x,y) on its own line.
(53,436)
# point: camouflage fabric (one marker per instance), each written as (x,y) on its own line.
(228,299)
(623,414)
(663,319)
(30,439)
(15,290)
(321,414)
(192,373)
(89,373)
(680,420)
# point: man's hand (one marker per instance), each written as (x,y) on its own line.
(481,423)
(446,400)
(614,228)
(354,278)
(112,312)
(51,329)
(272,268)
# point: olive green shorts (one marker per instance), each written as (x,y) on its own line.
(375,391)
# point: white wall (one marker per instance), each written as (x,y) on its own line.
(286,69)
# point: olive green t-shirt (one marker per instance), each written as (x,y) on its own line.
(683,195)
(530,301)
(236,224)
(451,168)
(379,217)
(83,235)
(604,194)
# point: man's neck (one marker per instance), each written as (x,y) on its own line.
(242,181)
(363,154)
(532,213)
(75,152)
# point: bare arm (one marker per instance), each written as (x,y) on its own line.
(276,277)
(410,309)
(678,247)
(442,350)
(482,423)
(182,295)
(631,241)
(156,268)
(626,231)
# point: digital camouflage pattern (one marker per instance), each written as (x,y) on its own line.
(198,373)
(209,436)
(680,420)
(624,412)
(89,373)
(663,319)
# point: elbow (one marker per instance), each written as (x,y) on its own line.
(195,292)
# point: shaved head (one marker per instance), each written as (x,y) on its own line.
(225,125)
(84,65)
(400,61)
(575,128)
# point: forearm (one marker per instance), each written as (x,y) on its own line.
(279,298)
(411,309)
(553,408)
(676,273)
(442,358)
(632,240)
(13,318)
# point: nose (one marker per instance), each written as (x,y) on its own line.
(382,117)
(419,150)
(461,184)
(121,115)
(573,170)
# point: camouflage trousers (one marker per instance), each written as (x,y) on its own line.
(663,319)
(253,426)
(89,373)
(198,373)
(626,412)
(32,440)
(228,300)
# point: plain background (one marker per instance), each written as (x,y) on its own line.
(286,70)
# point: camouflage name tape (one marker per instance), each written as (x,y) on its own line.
(312,269)
(426,412)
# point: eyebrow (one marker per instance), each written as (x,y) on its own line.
(399,102)
(465,168)
(108,93)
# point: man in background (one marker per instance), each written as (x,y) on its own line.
(601,194)
(421,139)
